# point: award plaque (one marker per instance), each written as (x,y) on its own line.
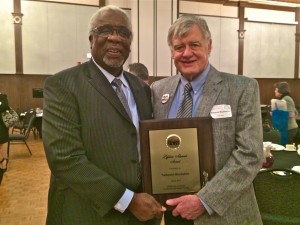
(177,156)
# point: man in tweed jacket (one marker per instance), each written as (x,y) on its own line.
(233,103)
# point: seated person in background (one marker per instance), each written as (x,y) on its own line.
(269,133)
(139,70)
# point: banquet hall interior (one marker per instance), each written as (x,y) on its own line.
(255,38)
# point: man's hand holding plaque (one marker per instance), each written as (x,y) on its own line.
(144,207)
(187,206)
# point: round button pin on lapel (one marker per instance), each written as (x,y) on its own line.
(165,98)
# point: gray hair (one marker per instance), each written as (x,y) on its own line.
(104,9)
(184,23)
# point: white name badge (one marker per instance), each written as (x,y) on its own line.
(221,111)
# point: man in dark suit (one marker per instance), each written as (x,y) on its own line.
(233,103)
(91,135)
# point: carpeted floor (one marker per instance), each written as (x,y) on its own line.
(24,189)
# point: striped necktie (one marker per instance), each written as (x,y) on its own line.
(118,84)
(186,107)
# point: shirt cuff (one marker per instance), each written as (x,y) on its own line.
(208,209)
(124,201)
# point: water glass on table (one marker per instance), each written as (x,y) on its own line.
(268,157)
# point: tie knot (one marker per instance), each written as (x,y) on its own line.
(117,82)
(188,87)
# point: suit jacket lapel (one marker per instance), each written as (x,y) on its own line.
(170,90)
(211,91)
(101,84)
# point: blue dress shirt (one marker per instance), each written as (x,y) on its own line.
(197,86)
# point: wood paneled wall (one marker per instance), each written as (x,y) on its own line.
(266,86)
(19,89)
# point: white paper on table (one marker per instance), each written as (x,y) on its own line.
(276,147)
(296,168)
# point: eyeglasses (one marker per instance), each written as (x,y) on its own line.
(107,30)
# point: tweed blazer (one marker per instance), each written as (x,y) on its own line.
(238,148)
(91,146)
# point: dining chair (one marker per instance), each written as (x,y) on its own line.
(22,137)
(278,196)
(23,123)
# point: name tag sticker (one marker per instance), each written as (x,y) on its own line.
(221,111)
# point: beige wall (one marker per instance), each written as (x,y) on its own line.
(269,48)
(149,45)
(85,2)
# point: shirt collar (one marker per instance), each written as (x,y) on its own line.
(111,77)
(198,82)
